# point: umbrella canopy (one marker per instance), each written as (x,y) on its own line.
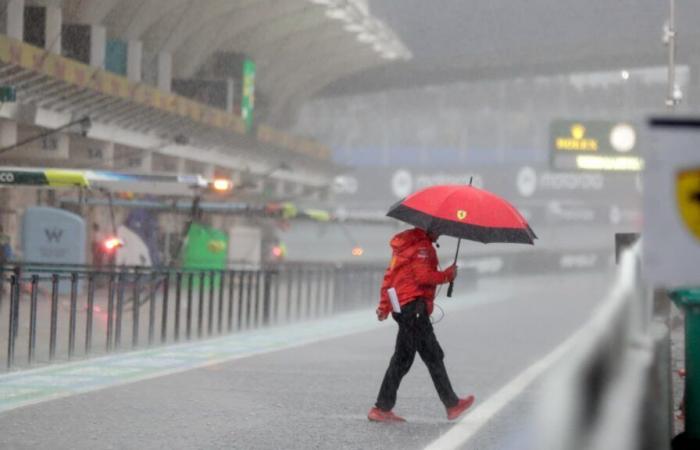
(465,212)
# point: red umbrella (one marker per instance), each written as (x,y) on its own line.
(464,212)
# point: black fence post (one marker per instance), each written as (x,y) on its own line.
(178,305)
(241,284)
(164,306)
(121,287)
(257,307)
(318,292)
(249,300)
(276,303)
(231,286)
(210,316)
(152,305)
(73,312)
(200,306)
(32,319)
(289,273)
(12,326)
(136,309)
(111,291)
(220,317)
(54,316)
(266,297)
(190,287)
(90,310)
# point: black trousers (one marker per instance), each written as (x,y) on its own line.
(415,335)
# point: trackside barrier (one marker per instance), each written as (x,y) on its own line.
(612,390)
(55,313)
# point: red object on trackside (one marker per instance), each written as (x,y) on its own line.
(413,271)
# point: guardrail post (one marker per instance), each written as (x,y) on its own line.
(688,300)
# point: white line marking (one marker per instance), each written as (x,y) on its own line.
(468,426)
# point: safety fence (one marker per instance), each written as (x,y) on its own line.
(613,387)
(57,313)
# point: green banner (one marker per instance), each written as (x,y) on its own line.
(206,248)
(248,97)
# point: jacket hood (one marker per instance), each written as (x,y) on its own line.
(408,238)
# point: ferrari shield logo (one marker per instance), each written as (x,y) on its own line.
(461,214)
(688,196)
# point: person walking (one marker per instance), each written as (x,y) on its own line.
(413,273)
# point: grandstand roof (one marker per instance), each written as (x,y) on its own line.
(482,39)
(299,46)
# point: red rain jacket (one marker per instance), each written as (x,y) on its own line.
(413,270)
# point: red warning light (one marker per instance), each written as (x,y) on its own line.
(358,251)
(113,243)
(277,251)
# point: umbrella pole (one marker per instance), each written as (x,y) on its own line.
(452,283)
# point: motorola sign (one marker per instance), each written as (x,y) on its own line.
(527,181)
(7,177)
(402,183)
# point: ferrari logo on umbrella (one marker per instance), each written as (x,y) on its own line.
(688,197)
(461,214)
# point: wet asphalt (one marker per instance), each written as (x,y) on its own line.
(317,396)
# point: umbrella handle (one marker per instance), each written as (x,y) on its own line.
(452,283)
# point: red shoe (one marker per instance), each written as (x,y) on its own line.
(460,407)
(378,415)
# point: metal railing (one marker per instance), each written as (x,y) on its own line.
(57,313)
(612,390)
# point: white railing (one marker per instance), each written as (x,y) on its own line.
(612,389)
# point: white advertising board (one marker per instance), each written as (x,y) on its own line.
(245,247)
(671,201)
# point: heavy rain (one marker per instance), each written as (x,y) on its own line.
(349,224)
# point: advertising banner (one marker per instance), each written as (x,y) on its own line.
(671,233)
(596,145)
